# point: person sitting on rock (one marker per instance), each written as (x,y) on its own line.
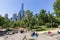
(49,33)
(58,32)
(34,34)
(22,31)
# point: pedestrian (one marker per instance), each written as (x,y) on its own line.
(21,31)
(49,33)
(34,34)
(58,32)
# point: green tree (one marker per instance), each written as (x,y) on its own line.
(29,19)
(2,21)
(42,17)
(56,6)
(51,19)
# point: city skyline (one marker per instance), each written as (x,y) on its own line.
(16,16)
(13,6)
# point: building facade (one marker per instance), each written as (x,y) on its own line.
(6,16)
(14,18)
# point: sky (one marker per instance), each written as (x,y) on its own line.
(13,6)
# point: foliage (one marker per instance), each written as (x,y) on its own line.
(56,6)
(2,21)
(32,21)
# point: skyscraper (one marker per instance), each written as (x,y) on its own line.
(6,16)
(14,18)
(21,12)
(19,16)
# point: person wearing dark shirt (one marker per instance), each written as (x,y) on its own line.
(34,34)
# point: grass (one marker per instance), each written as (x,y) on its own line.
(43,28)
(49,29)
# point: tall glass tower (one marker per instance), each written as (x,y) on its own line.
(21,12)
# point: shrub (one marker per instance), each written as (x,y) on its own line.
(54,25)
(48,25)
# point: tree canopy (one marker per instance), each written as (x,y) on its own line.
(56,6)
(35,21)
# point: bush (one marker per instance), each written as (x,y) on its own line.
(38,28)
(54,25)
(8,30)
(48,25)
